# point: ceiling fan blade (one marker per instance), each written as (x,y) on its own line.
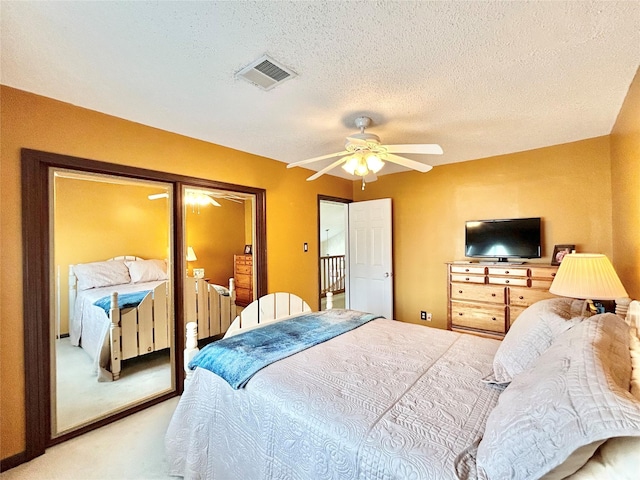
(405,162)
(425,149)
(213,202)
(326,169)
(156,196)
(315,159)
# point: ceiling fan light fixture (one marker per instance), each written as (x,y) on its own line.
(356,165)
(374,163)
(350,165)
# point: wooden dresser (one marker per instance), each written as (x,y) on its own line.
(243,276)
(487,299)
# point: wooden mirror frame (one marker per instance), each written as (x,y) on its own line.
(36,257)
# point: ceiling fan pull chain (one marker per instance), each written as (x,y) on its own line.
(362,183)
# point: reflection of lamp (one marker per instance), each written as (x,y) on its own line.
(191,257)
(589,276)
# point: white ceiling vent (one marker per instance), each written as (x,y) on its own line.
(266,73)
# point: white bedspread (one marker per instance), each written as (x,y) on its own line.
(89,327)
(386,400)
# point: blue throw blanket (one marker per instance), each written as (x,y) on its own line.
(125,300)
(238,358)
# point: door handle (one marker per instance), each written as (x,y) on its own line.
(387,274)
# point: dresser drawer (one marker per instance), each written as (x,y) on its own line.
(244,269)
(244,296)
(521,282)
(514,313)
(243,281)
(540,284)
(543,273)
(481,293)
(467,269)
(470,315)
(509,271)
(526,296)
(457,277)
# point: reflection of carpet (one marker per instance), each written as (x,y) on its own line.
(81,398)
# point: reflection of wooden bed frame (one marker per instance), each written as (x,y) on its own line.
(134,331)
(267,309)
(204,305)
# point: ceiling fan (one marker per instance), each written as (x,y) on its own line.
(195,197)
(364,155)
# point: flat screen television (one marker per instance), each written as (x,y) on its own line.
(503,239)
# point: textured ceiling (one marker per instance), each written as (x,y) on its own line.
(479,78)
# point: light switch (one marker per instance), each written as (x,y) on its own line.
(305,247)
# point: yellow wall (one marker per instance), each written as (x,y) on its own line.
(569,186)
(95,221)
(216,235)
(625,186)
(32,121)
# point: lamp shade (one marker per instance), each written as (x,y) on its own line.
(588,276)
(191,255)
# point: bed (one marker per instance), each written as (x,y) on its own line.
(211,307)
(558,397)
(119,309)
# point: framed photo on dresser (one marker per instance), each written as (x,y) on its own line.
(559,251)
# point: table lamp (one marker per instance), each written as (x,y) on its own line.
(191,257)
(588,276)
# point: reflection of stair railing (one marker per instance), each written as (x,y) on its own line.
(332,273)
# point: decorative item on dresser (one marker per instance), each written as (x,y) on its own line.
(243,275)
(487,299)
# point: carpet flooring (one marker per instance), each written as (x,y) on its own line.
(81,398)
(129,449)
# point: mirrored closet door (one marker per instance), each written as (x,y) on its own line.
(219,238)
(111,243)
(89,226)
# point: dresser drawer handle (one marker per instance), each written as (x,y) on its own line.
(493,294)
(553,274)
(466,269)
(506,272)
(506,281)
(493,318)
(459,291)
(466,279)
(460,313)
(521,297)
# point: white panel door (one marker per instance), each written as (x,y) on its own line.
(370,249)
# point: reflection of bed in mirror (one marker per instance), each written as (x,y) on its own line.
(119,309)
(212,307)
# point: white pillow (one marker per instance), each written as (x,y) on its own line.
(101,274)
(634,351)
(533,333)
(575,395)
(147,270)
(617,459)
